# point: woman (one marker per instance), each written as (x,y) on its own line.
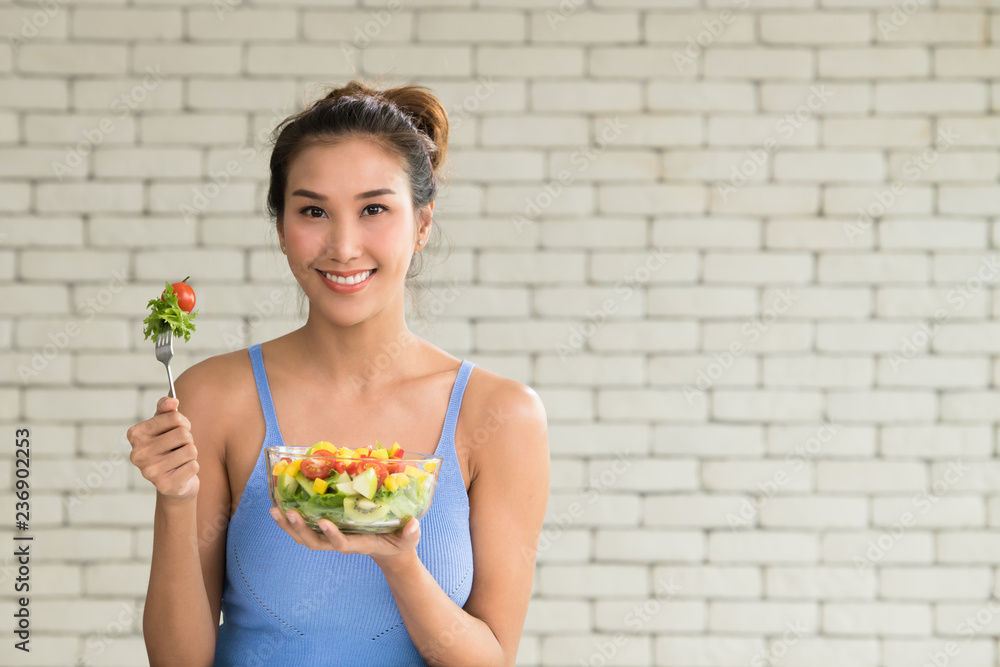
(352,193)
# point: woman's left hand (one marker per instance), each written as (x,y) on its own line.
(379,547)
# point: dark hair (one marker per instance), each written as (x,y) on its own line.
(408,122)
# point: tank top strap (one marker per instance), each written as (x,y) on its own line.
(264,393)
(455,403)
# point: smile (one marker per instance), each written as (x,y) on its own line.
(349,280)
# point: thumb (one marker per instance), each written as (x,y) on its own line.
(166,404)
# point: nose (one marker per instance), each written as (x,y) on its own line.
(343,242)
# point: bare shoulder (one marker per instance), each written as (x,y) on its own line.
(506,415)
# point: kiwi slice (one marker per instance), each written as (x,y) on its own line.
(362,510)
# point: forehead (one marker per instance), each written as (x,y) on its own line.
(348,167)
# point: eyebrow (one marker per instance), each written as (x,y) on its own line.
(363,195)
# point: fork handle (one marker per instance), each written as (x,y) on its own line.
(170,378)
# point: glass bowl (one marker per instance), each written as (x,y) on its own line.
(365,490)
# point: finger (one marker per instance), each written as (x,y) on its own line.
(167,421)
(302,533)
(282,521)
(167,404)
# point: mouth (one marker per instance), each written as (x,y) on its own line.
(353,279)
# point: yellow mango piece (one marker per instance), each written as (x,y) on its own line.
(402,479)
(395,448)
(293,467)
(390,482)
(411,471)
(380,454)
(319,485)
(344,452)
(279,468)
(430,466)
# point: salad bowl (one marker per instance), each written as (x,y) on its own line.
(364,490)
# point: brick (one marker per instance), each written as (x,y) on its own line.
(684,651)
(592,96)
(882,618)
(76,545)
(966,338)
(147,163)
(126,510)
(928,27)
(934,584)
(19,162)
(652,199)
(647,335)
(634,62)
(535,268)
(730,405)
(702,301)
(977,132)
(769,476)
(761,131)
(902,132)
(655,405)
(592,580)
(955,619)
(765,200)
(26,22)
(944,512)
(584,647)
(819,583)
(188,58)
(31,299)
(649,546)
(830,652)
(92,405)
(929,97)
(781,28)
(715,232)
(676,27)
(44,128)
(687,511)
(553,616)
(966,62)
(572,301)
(818,372)
(924,301)
(703,165)
(968,547)
(56,231)
(711,580)
(982,477)
(759,547)
(441,61)
(246,24)
(240,95)
(596,233)
(89,197)
(827,166)
(73,59)
(882,406)
(547,130)
(701,96)
(590,370)
(709,440)
(879,268)
(482,164)
(755,336)
(72,265)
(910,651)
(762,617)
(937,441)
(822,99)
(764,267)
(969,200)
(672,615)
(968,405)
(127,24)
(192,199)
(954,166)
(585,27)
(653,129)
(122,96)
(826,441)
(360,28)
(614,165)
(478,27)
(853,547)
(820,303)
(564,546)
(702,371)
(633,270)
(526,204)
(843,199)
(527,61)
(934,372)
(299,59)
(874,63)
(758,63)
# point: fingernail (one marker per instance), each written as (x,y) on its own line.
(291,517)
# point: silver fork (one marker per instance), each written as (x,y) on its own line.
(165,352)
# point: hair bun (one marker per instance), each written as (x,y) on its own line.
(416,102)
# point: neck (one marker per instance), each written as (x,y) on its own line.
(361,358)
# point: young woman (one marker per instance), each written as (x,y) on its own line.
(352,193)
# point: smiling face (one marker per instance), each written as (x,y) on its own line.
(349,214)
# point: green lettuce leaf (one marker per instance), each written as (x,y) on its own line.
(166,312)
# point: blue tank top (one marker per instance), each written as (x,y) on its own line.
(284,604)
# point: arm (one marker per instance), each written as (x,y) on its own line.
(487,630)
(184,597)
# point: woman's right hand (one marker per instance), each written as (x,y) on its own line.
(164,452)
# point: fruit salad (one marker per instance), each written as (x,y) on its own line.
(364,490)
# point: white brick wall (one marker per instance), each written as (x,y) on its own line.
(804,388)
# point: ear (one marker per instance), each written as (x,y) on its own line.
(280,226)
(424,223)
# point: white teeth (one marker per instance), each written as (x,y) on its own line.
(350,280)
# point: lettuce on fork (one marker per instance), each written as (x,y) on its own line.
(165,311)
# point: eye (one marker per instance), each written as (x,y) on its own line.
(374,206)
(309,211)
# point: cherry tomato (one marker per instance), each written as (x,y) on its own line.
(185,295)
(316,468)
(381,471)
